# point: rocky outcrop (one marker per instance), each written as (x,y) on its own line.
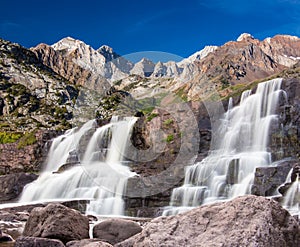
(57,222)
(244,221)
(12,185)
(5,237)
(268,179)
(65,60)
(115,230)
(31,94)
(37,242)
(26,154)
(148,193)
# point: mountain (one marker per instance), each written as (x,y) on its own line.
(238,62)
(40,86)
(32,95)
(144,68)
(216,69)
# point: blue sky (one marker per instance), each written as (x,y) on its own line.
(177,27)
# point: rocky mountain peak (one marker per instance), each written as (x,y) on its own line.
(244,36)
(68,43)
(144,67)
(108,52)
(198,55)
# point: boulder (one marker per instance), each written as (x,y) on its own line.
(116,230)
(4,237)
(37,242)
(245,221)
(88,243)
(11,185)
(58,222)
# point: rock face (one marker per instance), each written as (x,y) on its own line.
(12,185)
(5,237)
(64,58)
(28,157)
(31,94)
(151,190)
(37,242)
(58,222)
(82,65)
(244,221)
(116,230)
(144,68)
(241,61)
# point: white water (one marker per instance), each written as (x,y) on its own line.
(291,200)
(241,147)
(100,177)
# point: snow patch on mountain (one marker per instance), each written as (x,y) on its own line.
(198,55)
(244,36)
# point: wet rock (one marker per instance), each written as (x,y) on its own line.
(268,179)
(37,242)
(116,230)
(244,221)
(11,185)
(58,222)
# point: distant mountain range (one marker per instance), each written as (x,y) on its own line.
(236,62)
(39,86)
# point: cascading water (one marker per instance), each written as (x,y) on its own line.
(291,199)
(242,141)
(100,177)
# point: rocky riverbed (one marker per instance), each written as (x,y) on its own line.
(245,221)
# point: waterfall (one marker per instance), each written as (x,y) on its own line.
(100,175)
(291,199)
(228,171)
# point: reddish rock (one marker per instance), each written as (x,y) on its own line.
(58,222)
(28,158)
(38,242)
(244,221)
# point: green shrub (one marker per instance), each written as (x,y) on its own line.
(168,122)
(26,140)
(169,138)
(7,137)
(151,116)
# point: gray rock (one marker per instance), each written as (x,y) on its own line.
(37,242)
(57,221)
(11,185)
(88,242)
(4,237)
(244,221)
(116,230)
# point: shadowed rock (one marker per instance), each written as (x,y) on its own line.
(116,230)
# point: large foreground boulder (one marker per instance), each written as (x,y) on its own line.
(244,221)
(57,222)
(116,230)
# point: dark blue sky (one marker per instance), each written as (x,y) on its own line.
(178,27)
